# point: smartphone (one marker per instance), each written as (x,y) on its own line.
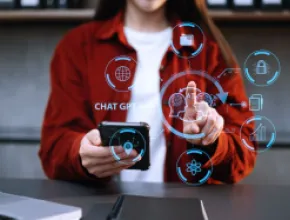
(129,135)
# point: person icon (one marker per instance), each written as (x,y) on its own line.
(177,104)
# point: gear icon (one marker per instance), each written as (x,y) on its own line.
(193,167)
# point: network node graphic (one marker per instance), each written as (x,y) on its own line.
(262,68)
(244,104)
(194,167)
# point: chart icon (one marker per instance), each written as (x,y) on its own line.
(259,134)
(263,135)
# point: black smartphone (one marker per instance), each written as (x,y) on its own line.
(129,135)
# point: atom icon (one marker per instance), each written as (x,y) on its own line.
(193,167)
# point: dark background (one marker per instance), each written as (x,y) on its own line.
(26,47)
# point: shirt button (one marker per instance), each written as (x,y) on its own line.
(162,68)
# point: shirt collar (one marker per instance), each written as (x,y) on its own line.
(111,27)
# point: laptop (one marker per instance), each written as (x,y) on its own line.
(14,207)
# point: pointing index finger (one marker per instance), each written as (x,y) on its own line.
(191,94)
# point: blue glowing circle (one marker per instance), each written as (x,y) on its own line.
(119,78)
(222,96)
(128,144)
(263,74)
(260,135)
(194,167)
(188,39)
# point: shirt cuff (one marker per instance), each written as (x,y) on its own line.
(80,171)
(220,149)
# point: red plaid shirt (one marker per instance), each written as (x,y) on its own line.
(78,82)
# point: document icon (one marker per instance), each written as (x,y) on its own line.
(186,40)
(259,134)
(256,102)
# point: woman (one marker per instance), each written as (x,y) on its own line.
(71,147)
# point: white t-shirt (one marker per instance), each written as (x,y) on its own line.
(151,48)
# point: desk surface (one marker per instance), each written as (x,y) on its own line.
(239,202)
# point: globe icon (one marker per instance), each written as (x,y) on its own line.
(122,73)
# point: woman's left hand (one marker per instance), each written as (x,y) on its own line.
(199,117)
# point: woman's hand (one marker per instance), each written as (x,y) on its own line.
(199,117)
(98,160)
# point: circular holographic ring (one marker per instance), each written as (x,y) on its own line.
(176,98)
(262,137)
(130,139)
(188,40)
(262,68)
(118,73)
(190,167)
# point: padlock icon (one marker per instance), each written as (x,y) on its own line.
(261,67)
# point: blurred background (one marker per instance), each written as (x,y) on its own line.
(30,30)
